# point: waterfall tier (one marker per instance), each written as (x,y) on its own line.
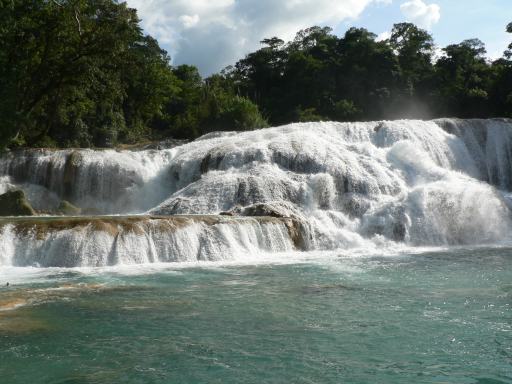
(103,241)
(104,181)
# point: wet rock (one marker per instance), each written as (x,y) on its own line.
(14,203)
(71,170)
(205,164)
(164,144)
(399,231)
(66,208)
(298,227)
(379,126)
(299,234)
(264,210)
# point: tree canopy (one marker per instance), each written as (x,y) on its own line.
(81,73)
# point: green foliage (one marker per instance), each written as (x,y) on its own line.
(463,79)
(14,203)
(308,114)
(78,73)
(319,76)
(500,95)
(81,73)
(345,110)
(233,113)
(224,110)
(415,49)
(182,111)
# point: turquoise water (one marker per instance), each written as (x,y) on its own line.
(441,317)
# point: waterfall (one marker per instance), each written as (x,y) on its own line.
(105,181)
(490,144)
(350,185)
(101,241)
(417,182)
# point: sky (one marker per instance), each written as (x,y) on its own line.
(213,34)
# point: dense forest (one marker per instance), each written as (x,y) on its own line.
(81,73)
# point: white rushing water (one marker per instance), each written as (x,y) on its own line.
(102,242)
(352,185)
(105,181)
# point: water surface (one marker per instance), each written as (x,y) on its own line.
(438,317)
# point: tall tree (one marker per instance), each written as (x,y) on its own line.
(501,92)
(259,76)
(368,72)
(415,50)
(464,78)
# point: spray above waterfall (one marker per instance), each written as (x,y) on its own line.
(350,185)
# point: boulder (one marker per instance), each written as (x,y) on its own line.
(14,203)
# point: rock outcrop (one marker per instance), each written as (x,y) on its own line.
(14,203)
(68,209)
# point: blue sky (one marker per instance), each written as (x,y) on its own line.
(459,20)
(212,34)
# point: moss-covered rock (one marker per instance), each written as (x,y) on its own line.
(14,203)
(66,208)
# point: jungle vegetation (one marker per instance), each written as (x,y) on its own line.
(82,73)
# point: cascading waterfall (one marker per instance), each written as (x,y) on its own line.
(104,181)
(349,185)
(102,241)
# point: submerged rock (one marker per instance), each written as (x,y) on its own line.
(14,203)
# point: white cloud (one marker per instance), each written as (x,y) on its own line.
(213,34)
(417,11)
(383,36)
(189,21)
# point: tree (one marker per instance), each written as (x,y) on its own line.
(367,73)
(150,84)
(259,76)
(415,50)
(308,77)
(182,111)
(77,72)
(508,52)
(223,110)
(82,73)
(500,97)
(464,78)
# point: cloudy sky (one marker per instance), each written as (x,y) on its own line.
(212,34)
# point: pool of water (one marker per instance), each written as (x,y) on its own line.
(434,317)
